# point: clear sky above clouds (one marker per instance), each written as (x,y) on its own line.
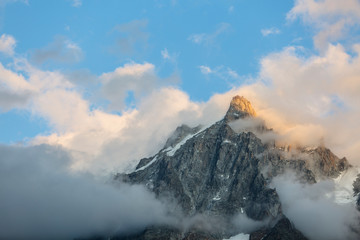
(101,78)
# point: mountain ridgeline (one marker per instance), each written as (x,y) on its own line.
(224,174)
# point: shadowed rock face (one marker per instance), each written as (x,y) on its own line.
(282,230)
(221,173)
(216,171)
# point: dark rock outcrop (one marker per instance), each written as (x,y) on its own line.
(163,233)
(283,229)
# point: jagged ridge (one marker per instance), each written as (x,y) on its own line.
(219,172)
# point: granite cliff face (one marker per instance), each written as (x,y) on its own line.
(220,173)
(214,171)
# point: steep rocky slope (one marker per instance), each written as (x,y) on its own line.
(221,173)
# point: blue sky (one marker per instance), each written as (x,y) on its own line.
(232,37)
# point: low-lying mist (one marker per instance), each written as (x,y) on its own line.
(314,210)
(41,199)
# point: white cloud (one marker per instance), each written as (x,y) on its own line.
(61,50)
(308,205)
(15,91)
(140,79)
(14,81)
(205,70)
(108,142)
(94,137)
(7,44)
(331,19)
(209,38)
(270,31)
(312,10)
(170,57)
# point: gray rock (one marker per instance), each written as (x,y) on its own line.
(283,229)
(179,134)
(216,172)
(220,173)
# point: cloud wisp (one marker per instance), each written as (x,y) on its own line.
(270,31)
(7,44)
(208,39)
(227,74)
(131,38)
(61,50)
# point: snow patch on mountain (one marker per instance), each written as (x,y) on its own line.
(343,192)
(240,236)
(147,165)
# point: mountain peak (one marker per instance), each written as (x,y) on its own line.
(240,107)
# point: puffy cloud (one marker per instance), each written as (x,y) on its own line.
(312,10)
(7,44)
(60,50)
(108,142)
(14,81)
(331,18)
(137,78)
(99,141)
(269,31)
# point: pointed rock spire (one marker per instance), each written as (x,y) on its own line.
(240,107)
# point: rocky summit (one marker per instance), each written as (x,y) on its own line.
(223,174)
(240,107)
